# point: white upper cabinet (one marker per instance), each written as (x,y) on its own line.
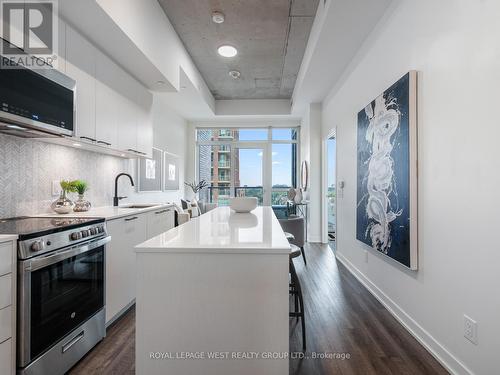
(80,65)
(144,121)
(61,49)
(106,103)
(113,110)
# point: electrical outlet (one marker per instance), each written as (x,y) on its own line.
(56,188)
(366,256)
(470,329)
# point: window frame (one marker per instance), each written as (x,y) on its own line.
(267,144)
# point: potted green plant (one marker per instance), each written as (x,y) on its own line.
(63,205)
(81,204)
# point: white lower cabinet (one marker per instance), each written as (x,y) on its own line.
(126,233)
(160,221)
(6,324)
(120,261)
(8,258)
(6,355)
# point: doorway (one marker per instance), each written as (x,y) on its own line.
(330,186)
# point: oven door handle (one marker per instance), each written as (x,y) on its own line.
(44,261)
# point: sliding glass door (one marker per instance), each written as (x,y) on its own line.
(249,173)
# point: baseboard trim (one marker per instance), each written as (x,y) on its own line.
(438,351)
(120,314)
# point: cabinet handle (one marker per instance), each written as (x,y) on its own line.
(137,152)
(104,143)
(88,139)
(161,212)
(131,218)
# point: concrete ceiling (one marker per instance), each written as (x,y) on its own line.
(270,35)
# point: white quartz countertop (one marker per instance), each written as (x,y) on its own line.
(8,237)
(110,212)
(223,231)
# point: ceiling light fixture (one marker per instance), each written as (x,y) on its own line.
(160,83)
(227,51)
(234,74)
(77,144)
(218,17)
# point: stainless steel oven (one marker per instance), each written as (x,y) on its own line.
(61,302)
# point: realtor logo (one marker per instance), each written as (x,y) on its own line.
(29,32)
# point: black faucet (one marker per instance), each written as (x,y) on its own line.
(116,198)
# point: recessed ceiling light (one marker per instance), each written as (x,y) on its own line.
(77,144)
(218,17)
(160,83)
(227,51)
(234,74)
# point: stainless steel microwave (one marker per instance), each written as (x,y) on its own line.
(36,103)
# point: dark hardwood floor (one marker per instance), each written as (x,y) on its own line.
(343,319)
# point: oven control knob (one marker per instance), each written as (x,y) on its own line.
(37,245)
(85,233)
(75,236)
(93,231)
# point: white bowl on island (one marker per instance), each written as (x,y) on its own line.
(243,204)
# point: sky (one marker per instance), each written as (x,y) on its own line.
(251,159)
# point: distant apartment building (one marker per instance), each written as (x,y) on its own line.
(218,165)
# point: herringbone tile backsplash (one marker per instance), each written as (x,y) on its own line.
(28,167)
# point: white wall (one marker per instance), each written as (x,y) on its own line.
(169,134)
(310,151)
(146,24)
(454,44)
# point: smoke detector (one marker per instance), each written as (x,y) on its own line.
(218,17)
(234,74)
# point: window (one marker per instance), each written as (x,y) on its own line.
(284,173)
(256,162)
(279,134)
(253,134)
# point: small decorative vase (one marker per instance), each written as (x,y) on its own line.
(82,205)
(62,205)
(298,196)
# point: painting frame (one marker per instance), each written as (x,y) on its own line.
(144,185)
(171,167)
(387,217)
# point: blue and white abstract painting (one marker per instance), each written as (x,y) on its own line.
(386,182)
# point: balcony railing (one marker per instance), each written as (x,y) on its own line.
(216,194)
(221,194)
(250,191)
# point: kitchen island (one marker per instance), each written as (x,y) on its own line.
(212,297)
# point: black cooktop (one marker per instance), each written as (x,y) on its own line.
(30,227)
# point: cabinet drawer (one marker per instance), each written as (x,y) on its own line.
(5,258)
(5,323)
(5,291)
(6,357)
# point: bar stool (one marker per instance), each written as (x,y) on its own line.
(295,226)
(296,291)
